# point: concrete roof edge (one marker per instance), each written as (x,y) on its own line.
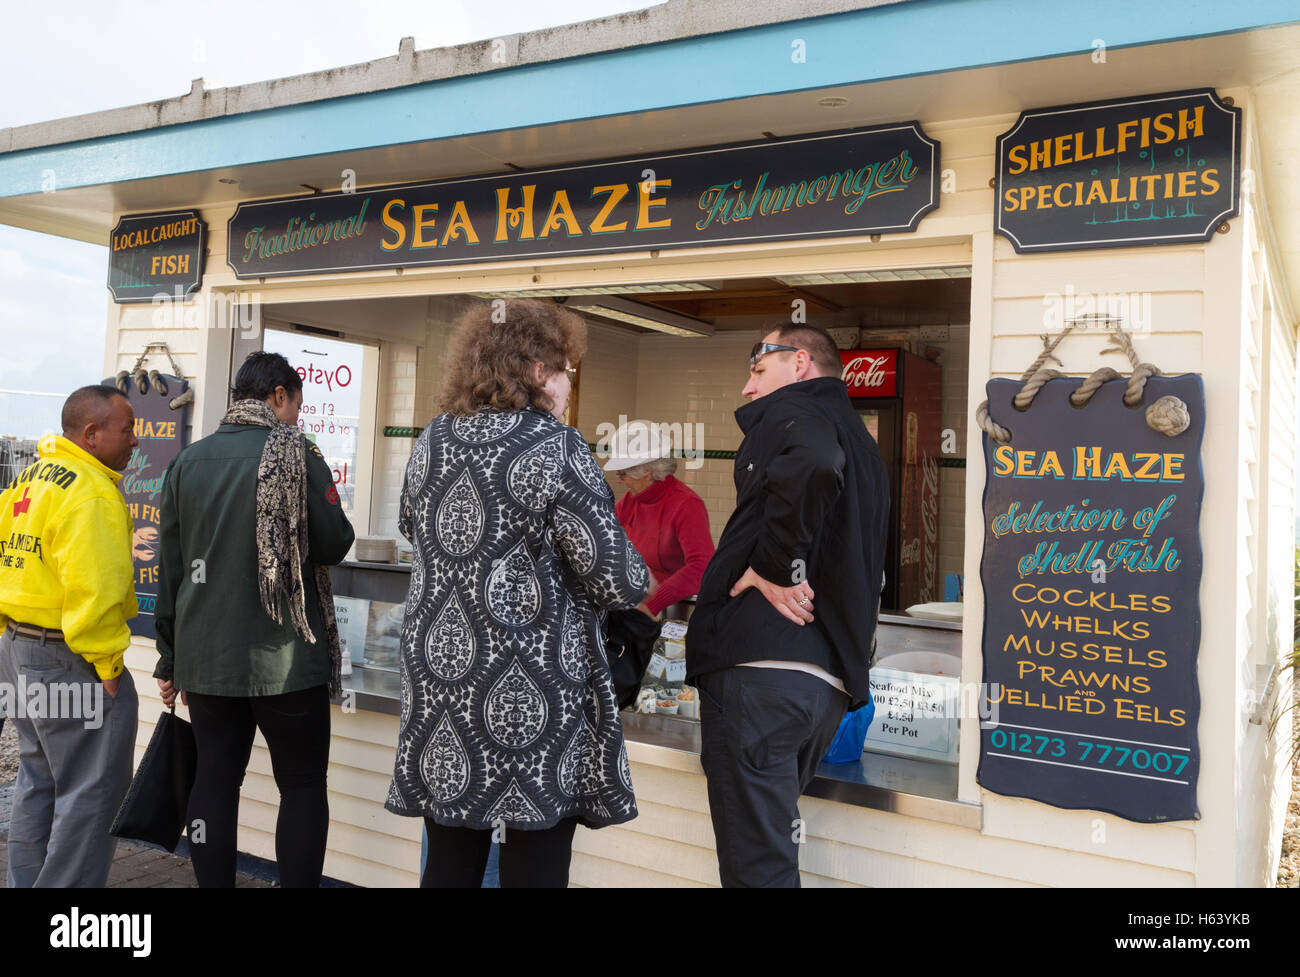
(669,21)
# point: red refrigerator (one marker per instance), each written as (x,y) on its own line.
(898,396)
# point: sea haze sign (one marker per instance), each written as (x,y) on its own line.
(1091,568)
(161,433)
(1161,169)
(863,181)
(153,254)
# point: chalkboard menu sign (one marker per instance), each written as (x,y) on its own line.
(156,254)
(1161,169)
(1091,569)
(881,179)
(161,433)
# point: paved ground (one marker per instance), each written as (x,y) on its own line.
(136,866)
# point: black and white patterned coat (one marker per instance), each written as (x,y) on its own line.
(508,710)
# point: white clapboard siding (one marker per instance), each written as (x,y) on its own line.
(588,871)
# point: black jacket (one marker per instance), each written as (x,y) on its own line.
(812,502)
(213,636)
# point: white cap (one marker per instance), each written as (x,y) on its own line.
(636,443)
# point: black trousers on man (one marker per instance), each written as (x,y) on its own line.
(763,731)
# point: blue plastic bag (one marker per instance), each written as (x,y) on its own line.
(852,734)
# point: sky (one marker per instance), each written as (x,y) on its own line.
(83,56)
(74,57)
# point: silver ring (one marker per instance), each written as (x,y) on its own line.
(802,602)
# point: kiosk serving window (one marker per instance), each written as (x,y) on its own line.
(338,409)
(680,359)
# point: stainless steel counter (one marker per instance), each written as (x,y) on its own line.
(900,785)
(913,788)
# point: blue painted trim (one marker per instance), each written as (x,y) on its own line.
(914,38)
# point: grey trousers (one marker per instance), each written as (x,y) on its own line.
(76,752)
(763,731)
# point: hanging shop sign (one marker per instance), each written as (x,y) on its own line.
(1091,570)
(160,430)
(152,255)
(878,180)
(1161,169)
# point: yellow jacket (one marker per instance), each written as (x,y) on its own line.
(65,553)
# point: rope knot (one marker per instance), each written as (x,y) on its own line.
(1169,416)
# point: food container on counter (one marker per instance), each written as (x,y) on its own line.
(376,549)
(688,703)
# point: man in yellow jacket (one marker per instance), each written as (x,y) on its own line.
(66,593)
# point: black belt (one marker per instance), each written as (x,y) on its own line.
(31,631)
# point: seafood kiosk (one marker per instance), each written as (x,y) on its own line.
(961,214)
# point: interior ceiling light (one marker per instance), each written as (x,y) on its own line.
(884,275)
(543,293)
(833,102)
(640,314)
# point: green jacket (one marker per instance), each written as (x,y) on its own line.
(213,636)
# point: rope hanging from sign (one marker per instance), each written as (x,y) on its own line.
(1168,415)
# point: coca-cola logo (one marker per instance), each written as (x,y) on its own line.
(910,552)
(866,371)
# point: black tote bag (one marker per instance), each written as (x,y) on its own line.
(628,647)
(155,804)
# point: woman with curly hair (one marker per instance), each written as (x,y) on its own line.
(509,723)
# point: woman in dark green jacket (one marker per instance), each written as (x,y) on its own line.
(250,524)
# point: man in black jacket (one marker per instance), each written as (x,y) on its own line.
(777,673)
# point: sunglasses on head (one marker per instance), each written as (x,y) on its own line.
(762,349)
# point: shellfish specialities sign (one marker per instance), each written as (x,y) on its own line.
(1160,169)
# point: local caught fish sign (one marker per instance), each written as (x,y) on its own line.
(1161,169)
(1091,570)
(877,180)
(156,254)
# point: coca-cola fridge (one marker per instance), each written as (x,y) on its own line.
(898,397)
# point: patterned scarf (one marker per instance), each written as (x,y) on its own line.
(282,530)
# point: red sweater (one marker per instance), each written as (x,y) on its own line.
(669,526)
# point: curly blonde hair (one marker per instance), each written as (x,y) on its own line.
(491,355)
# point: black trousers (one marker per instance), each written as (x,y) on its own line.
(529,859)
(763,732)
(296,726)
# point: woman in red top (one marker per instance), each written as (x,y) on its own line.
(667,523)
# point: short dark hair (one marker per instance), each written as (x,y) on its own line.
(261,373)
(823,351)
(87,405)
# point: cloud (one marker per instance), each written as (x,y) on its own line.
(53,302)
(53,311)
